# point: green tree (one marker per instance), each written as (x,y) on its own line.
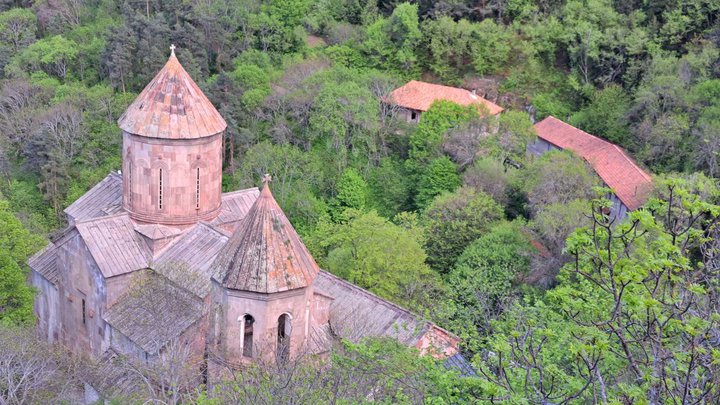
(485,278)
(54,55)
(389,187)
(425,141)
(391,42)
(17,31)
(605,115)
(352,192)
(556,177)
(376,254)
(453,221)
(297,179)
(440,176)
(630,321)
(344,117)
(16,245)
(515,132)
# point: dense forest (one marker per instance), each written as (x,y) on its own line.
(554,301)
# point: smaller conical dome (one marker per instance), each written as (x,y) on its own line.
(265,254)
(172,106)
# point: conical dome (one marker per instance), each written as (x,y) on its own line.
(172,106)
(265,254)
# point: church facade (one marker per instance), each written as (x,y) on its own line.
(157,253)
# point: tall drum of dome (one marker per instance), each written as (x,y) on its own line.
(172,151)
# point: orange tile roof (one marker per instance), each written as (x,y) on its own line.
(265,254)
(631,184)
(172,106)
(419,96)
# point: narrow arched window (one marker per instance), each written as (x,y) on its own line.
(283,337)
(197,189)
(83,311)
(130,182)
(246,335)
(218,315)
(160,188)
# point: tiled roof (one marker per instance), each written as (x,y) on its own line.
(235,205)
(172,106)
(265,254)
(459,363)
(631,184)
(156,231)
(356,314)
(113,379)
(114,244)
(154,312)
(187,261)
(320,339)
(103,199)
(44,263)
(417,95)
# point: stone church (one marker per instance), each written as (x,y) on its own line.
(157,253)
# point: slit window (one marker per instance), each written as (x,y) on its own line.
(83,310)
(160,189)
(197,189)
(130,182)
(217,325)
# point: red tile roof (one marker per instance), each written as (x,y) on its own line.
(631,184)
(419,96)
(172,106)
(265,254)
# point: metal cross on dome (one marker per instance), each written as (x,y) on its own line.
(267,178)
(172,49)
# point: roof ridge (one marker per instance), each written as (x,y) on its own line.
(40,252)
(210,227)
(633,162)
(106,217)
(579,129)
(242,191)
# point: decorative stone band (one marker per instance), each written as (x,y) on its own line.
(155,218)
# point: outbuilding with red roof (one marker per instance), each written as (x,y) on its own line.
(630,184)
(415,97)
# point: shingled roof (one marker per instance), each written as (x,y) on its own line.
(172,106)
(103,199)
(44,262)
(356,314)
(631,184)
(187,262)
(265,254)
(153,312)
(114,244)
(235,205)
(419,96)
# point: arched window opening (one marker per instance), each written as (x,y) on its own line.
(246,335)
(283,337)
(160,189)
(197,189)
